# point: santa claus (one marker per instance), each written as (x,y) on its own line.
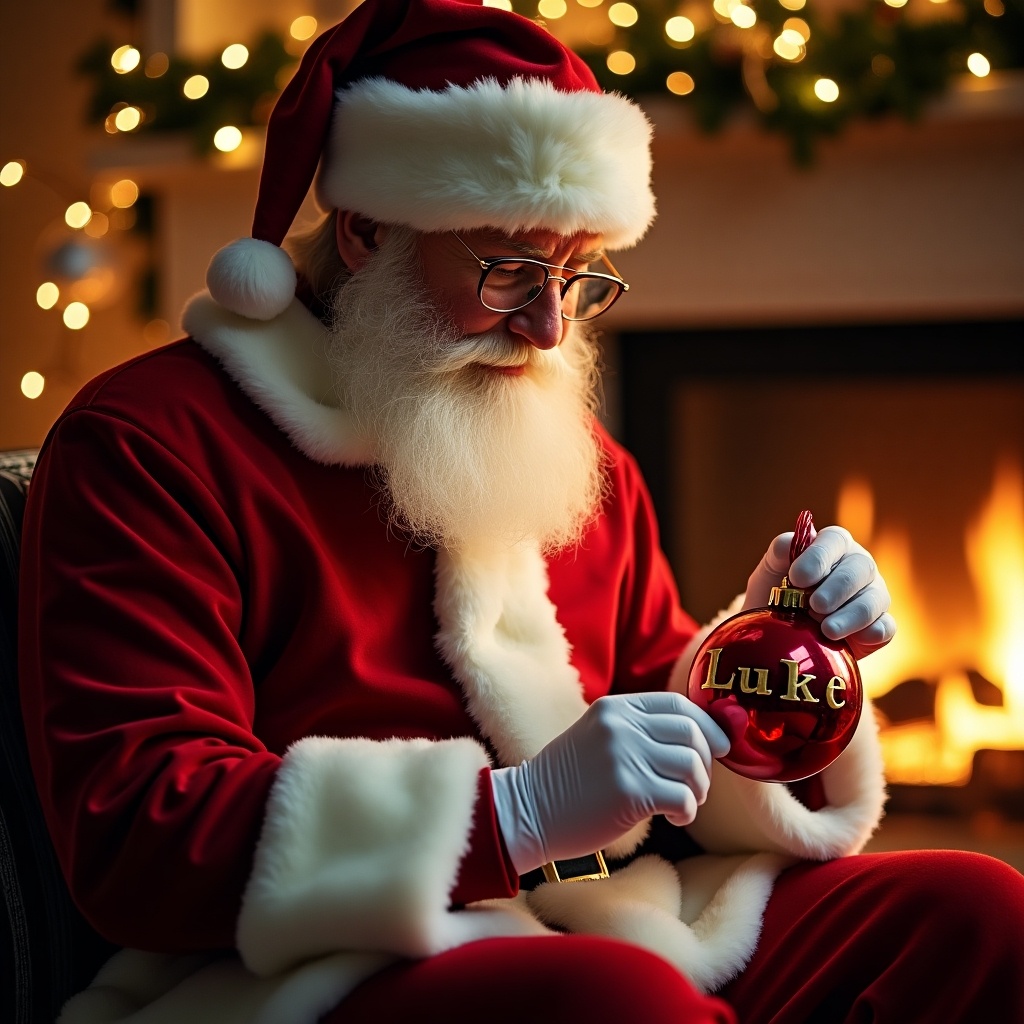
(375,703)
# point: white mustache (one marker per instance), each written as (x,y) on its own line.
(491,349)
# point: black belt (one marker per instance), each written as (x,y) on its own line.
(574,869)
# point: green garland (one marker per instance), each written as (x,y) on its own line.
(884,61)
(242,97)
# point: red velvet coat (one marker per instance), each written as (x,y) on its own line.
(261,720)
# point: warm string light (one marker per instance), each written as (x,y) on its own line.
(195,87)
(719,54)
(269,62)
(623,15)
(803,69)
(77,257)
(234,56)
(11,173)
(32,384)
(125,59)
(72,253)
(303,28)
(977,64)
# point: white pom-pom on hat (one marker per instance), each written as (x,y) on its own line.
(252,278)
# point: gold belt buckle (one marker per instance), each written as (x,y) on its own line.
(576,869)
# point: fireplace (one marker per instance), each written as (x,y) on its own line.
(911,435)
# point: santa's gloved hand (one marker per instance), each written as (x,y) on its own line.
(849,598)
(627,757)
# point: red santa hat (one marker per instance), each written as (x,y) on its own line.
(440,114)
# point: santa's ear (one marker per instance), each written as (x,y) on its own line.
(357,236)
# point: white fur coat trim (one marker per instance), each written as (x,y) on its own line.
(360,849)
(281,365)
(500,634)
(514,157)
(702,915)
(501,638)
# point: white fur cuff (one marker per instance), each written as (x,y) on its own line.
(360,850)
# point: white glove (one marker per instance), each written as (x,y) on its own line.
(849,599)
(627,757)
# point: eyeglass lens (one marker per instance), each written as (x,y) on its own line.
(510,286)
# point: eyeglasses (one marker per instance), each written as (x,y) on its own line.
(508,283)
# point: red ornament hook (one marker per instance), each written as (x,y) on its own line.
(803,534)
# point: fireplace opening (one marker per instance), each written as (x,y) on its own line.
(912,436)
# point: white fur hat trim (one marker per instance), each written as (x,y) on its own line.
(515,157)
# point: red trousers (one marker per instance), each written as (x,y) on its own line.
(922,937)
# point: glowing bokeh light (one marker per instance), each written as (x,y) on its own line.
(621,62)
(789,45)
(501,5)
(743,16)
(156,332)
(234,56)
(679,83)
(623,15)
(125,59)
(303,28)
(77,215)
(76,316)
(826,90)
(124,193)
(799,26)
(32,384)
(127,119)
(978,64)
(47,295)
(680,29)
(196,87)
(553,9)
(793,5)
(157,65)
(227,138)
(98,226)
(12,172)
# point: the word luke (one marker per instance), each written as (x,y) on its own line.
(796,684)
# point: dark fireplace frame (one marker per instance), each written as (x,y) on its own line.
(651,364)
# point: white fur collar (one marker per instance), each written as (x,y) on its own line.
(281,365)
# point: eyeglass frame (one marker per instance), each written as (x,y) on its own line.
(488,264)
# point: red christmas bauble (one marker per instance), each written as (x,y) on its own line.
(788,698)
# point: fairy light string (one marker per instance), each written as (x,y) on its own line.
(801,68)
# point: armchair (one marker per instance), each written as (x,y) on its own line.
(47,950)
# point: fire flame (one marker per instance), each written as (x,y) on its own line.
(941,752)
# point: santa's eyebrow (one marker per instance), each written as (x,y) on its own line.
(533,252)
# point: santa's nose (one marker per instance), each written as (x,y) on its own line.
(540,323)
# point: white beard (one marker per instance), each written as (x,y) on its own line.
(465,455)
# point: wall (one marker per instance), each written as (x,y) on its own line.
(894,221)
(42,103)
